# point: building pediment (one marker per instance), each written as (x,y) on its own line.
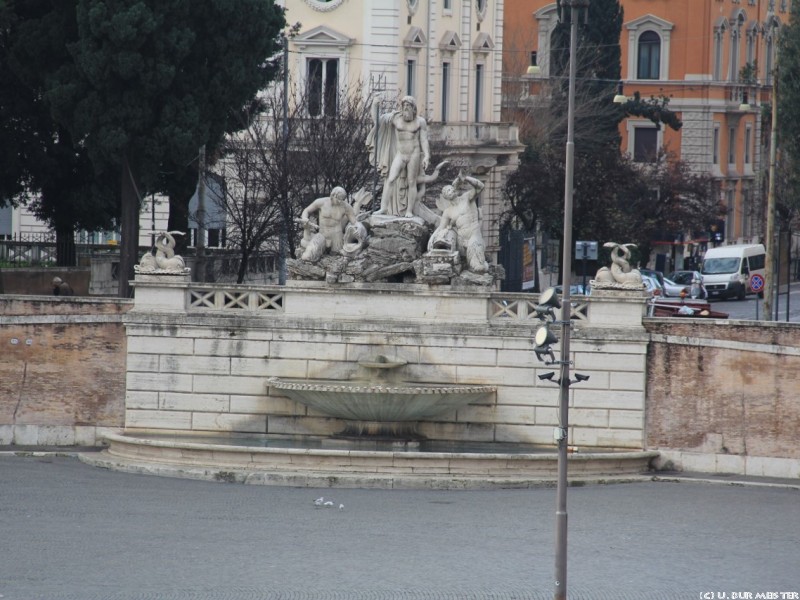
(650,21)
(450,42)
(415,38)
(483,43)
(322,36)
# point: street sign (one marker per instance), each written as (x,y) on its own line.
(757,283)
(585,250)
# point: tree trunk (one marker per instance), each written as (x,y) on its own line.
(129,229)
(180,189)
(244,259)
(66,255)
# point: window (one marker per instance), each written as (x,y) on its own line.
(750,48)
(649,59)
(719,36)
(747,212)
(645,144)
(770,32)
(715,146)
(649,44)
(445,90)
(730,204)
(323,82)
(447,5)
(410,68)
(748,141)
(731,145)
(478,92)
(736,36)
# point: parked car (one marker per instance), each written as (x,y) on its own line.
(576,289)
(689,281)
(658,275)
(652,285)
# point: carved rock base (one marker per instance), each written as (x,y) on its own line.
(395,252)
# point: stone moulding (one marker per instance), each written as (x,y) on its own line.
(380,402)
(366,388)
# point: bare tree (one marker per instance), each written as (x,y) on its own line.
(253,216)
(284,160)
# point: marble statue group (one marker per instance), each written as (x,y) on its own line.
(404,240)
(348,242)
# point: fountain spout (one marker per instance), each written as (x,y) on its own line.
(383,362)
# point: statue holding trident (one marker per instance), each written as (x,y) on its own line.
(402,154)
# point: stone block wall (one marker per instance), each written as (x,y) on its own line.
(715,396)
(725,396)
(206,370)
(62,370)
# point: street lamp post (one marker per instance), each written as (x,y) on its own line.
(563,403)
(769,267)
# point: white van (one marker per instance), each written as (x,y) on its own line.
(728,270)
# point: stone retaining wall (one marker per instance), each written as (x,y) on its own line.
(62,369)
(721,396)
(725,396)
(199,358)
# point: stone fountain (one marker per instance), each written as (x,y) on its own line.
(386,361)
(381,406)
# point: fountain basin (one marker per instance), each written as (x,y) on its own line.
(380,402)
(281,462)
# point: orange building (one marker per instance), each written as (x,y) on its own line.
(713,59)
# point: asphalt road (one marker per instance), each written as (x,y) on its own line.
(72,531)
(752,308)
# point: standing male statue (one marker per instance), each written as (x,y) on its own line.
(402,155)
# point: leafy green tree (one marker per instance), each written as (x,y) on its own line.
(598,70)
(42,166)
(787,182)
(613,199)
(151,81)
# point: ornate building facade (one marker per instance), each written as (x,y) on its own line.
(714,60)
(445,53)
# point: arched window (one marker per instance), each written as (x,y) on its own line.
(648,48)
(720,30)
(649,56)
(736,36)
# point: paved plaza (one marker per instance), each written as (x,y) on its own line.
(72,531)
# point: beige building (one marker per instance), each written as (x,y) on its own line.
(445,53)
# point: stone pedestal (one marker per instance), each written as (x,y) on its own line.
(161,291)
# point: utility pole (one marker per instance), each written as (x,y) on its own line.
(282,238)
(563,403)
(200,242)
(769,267)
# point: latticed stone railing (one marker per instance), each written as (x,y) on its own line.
(518,308)
(255,300)
(511,307)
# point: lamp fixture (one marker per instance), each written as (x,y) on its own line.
(548,301)
(620,98)
(534,70)
(543,341)
(547,376)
